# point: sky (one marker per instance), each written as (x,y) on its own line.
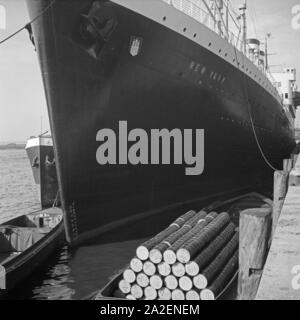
(22,101)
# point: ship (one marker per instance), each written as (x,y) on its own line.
(40,153)
(159,64)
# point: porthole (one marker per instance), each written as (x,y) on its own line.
(184,29)
(209,44)
(220,50)
(195,35)
(164,18)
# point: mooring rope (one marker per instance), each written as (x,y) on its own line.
(28,24)
(55,202)
(250,115)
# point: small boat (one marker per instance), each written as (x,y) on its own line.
(25,243)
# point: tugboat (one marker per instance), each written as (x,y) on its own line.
(41,157)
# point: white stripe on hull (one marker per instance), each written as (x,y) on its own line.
(170,17)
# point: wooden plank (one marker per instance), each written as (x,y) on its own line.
(279,276)
(288,165)
(254,231)
(280,190)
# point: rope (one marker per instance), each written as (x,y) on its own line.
(251,119)
(29,23)
(55,203)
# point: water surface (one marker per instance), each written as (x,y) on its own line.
(68,274)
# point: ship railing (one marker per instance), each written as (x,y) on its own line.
(196,10)
(199,12)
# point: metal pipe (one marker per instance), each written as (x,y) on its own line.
(170,254)
(137,292)
(156,254)
(156,282)
(149,268)
(150,293)
(142,280)
(178,295)
(220,282)
(136,265)
(124,286)
(142,251)
(178,270)
(199,241)
(129,276)
(204,258)
(202,280)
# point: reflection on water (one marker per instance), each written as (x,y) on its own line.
(75,274)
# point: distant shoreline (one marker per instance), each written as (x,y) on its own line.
(12,146)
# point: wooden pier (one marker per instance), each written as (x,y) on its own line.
(281,275)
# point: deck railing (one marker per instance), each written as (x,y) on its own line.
(195,10)
(198,11)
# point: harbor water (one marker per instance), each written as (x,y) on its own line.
(68,274)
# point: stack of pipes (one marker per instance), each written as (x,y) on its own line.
(193,259)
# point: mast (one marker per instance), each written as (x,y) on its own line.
(223,25)
(243,16)
(227,18)
(268,35)
(212,14)
(216,12)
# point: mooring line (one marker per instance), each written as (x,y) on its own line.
(250,114)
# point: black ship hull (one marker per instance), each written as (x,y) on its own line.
(168,81)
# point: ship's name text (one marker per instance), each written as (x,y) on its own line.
(136,148)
